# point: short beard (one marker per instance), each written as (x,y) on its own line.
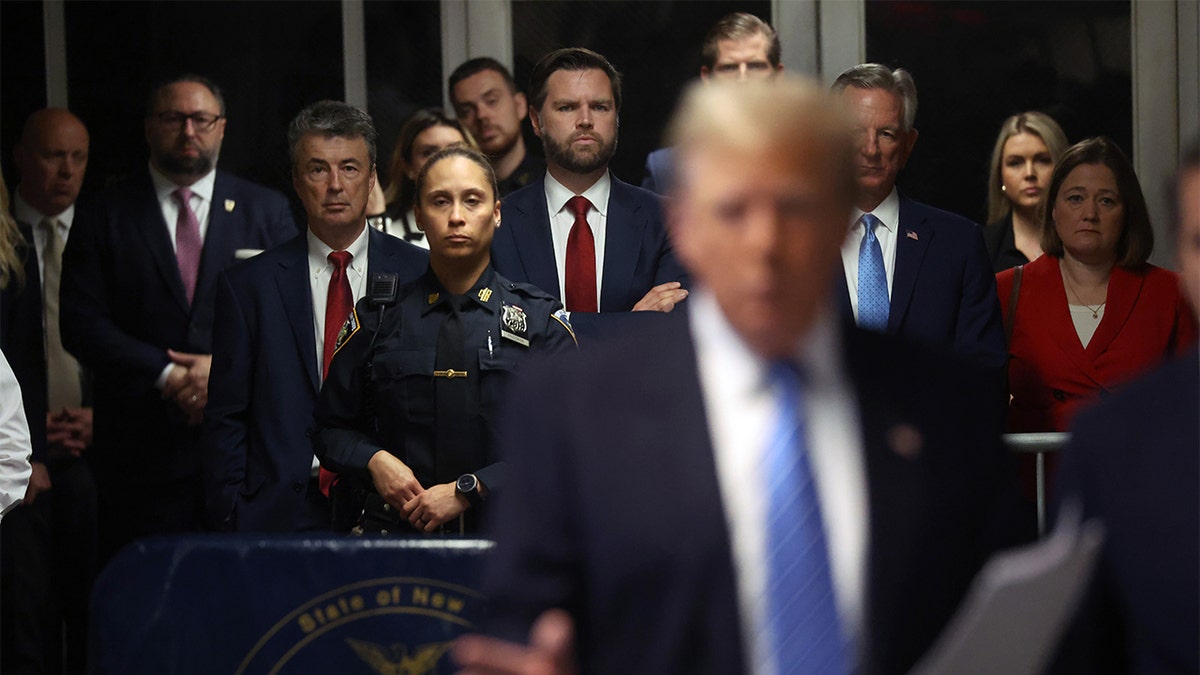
(577,162)
(186,166)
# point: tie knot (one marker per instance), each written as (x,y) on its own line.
(340,259)
(183,196)
(579,206)
(50,225)
(870,222)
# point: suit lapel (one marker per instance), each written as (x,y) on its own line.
(295,294)
(531,237)
(223,224)
(622,243)
(1124,287)
(157,239)
(910,251)
(896,487)
(1055,315)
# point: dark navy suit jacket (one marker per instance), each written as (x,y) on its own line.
(659,177)
(1133,463)
(123,306)
(614,512)
(637,252)
(943,288)
(264,383)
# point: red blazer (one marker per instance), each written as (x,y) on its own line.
(1051,375)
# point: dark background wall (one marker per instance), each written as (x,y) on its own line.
(974,62)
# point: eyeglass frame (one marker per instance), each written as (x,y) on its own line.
(177,120)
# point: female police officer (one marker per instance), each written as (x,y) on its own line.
(407,414)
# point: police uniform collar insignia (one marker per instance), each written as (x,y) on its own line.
(514,325)
(433,297)
(485,294)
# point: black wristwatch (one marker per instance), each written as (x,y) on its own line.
(468,486)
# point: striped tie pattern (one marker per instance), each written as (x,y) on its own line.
(805,634)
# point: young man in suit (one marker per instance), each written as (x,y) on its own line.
(486,99)
(273,316)
(592,241)
(138,291)
(918,271)
(740,47)
(757,457)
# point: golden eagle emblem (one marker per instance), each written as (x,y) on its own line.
(395,660)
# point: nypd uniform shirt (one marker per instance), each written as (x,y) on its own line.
(380,393)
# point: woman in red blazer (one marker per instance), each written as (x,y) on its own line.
(1091,313)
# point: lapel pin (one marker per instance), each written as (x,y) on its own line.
(229,204)
(911,235)
(905,440)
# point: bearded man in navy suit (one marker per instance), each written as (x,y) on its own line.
(936,285)
(269,333)
(576,101)
(138,289)
(643,529)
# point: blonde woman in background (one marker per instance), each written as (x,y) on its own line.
(12,245)
(1026,151)
(15,445)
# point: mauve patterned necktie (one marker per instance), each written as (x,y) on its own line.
(188,243)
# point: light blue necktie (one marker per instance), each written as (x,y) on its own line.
(873,302)
(802,619)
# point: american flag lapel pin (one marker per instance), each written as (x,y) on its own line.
(229,204)
(911,235)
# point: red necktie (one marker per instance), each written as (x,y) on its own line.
(338,304)
(187,242)
(581,260)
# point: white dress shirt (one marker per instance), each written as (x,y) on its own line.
(740,405)
(32,217)
(201,202)
(561,220)
(15,445)
(320,269)
(888,213)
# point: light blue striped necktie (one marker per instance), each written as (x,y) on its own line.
(805,633)
(873,302)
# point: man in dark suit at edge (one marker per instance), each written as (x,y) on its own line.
(270,326)
(594,242)
(655,545)
(927,268)
(138,289)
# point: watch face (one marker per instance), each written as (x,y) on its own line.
(467,483)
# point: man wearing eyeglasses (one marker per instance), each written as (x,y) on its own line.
(138,289)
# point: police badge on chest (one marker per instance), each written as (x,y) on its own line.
(514,325)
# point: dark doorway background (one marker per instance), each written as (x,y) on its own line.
(976,63)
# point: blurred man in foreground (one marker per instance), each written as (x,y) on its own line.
(772,492)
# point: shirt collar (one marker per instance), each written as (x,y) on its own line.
(202,188)
(888,212)
(557,195)
(32,217)
(318,251)
(481,292)
(817,354)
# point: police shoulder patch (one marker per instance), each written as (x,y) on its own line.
(564,318)
(348,330)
